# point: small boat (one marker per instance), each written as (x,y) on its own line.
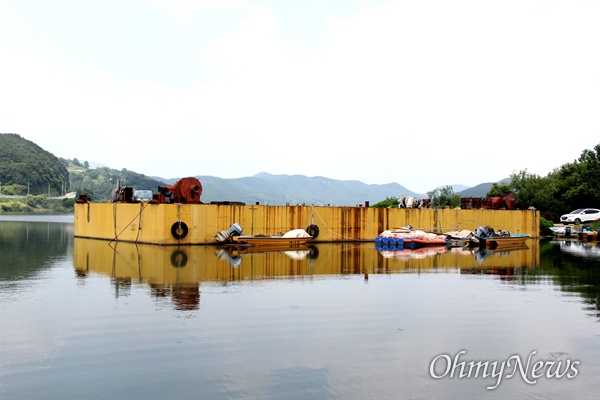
(409,238)
(587,233)
(294,239)
(460,238)
(564,231)
(506,242)
(487,238)
(589,236)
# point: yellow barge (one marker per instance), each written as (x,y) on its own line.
(195,224)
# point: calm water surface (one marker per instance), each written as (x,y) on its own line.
(85,319)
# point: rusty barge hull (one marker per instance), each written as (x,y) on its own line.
(197,224)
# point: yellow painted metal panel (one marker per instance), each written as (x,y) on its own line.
(152,223)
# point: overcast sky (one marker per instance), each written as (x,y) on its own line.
(422,93)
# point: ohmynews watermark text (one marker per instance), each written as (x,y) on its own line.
(444,366)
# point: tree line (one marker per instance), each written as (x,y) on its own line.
(568,187)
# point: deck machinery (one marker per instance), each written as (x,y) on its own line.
(184,191)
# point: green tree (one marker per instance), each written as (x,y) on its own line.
(579,182)
(591,172)
(389,202)
(532,190)
(38,201)
(576,185)
(498,189)
(444,197)
(14,190)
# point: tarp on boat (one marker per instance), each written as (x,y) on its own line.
(415,235)
(296,233)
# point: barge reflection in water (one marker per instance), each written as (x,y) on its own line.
(179,271)
(209,263)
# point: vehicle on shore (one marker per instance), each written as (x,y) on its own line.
(580,215)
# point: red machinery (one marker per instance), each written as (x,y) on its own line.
(470,203)
(506,201)
(185,190)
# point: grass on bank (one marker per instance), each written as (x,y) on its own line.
(35,204)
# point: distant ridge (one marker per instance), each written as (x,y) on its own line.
(273,189)
(476,191)
(480,190)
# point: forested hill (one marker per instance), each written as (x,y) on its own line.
(99,182)
(27,168)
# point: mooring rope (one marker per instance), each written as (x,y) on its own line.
(179,222)
(139,223)
(131,222)
(332,232)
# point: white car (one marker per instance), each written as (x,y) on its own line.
(581,215)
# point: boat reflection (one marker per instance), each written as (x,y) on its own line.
(482,253)
(176,272)
(235,254)
(582,249)
(406,254)
(517,254)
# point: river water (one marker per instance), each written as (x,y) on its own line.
(86,319)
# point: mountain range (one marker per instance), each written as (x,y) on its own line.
(25,167)
(266,188)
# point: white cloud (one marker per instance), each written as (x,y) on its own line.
(423,94)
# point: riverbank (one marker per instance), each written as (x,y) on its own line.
(36,204)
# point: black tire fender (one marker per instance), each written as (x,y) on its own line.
(179,230)
(313,230)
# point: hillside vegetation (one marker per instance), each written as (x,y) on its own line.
(32,175)
(26,168)
(99,182)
